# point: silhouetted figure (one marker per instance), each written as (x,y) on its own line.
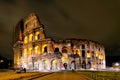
(24,70)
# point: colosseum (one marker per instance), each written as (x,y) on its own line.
(34,51)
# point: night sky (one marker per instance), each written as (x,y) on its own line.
(97,20)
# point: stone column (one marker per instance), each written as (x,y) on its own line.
(33,45)
(49,47)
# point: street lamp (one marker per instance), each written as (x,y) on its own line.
(1,61)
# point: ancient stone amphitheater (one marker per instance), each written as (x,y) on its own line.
(34,51)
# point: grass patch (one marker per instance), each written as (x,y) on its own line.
(101,75)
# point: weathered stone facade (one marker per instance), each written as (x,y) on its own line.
(34,51)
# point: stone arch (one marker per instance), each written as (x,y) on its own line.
(64,50)
(54,64)
(31,37)
(83,46)
(44,64)
(36,65)
(88,65)
(77,53)
(37,35)
(93,54)
(45,49)
(88,54)
(83,54)
(84,65)
(56,49)
(65,65)
(73,65)
(37,49)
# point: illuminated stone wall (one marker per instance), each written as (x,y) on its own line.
(84,53)
(33,50)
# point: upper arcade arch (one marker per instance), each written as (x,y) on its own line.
(64,50)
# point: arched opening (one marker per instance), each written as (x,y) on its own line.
(78,52)
(93,55)
(37,35)
(57,53)
(76,55)
(54,64)
(31,37)
(73,65)
(65,65)
(88,54)
(89,65)
(84,65)
(94,64)
(36,65)
(83,53)
(44,63)
(56,50)
(45,49)
(25,39)
(64,50)
(83,46)
(37,49)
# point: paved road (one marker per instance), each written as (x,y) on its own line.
(43,76)
(64,76)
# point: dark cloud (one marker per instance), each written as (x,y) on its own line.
(8,1)
(94,20)
(46,2)
(2,29)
